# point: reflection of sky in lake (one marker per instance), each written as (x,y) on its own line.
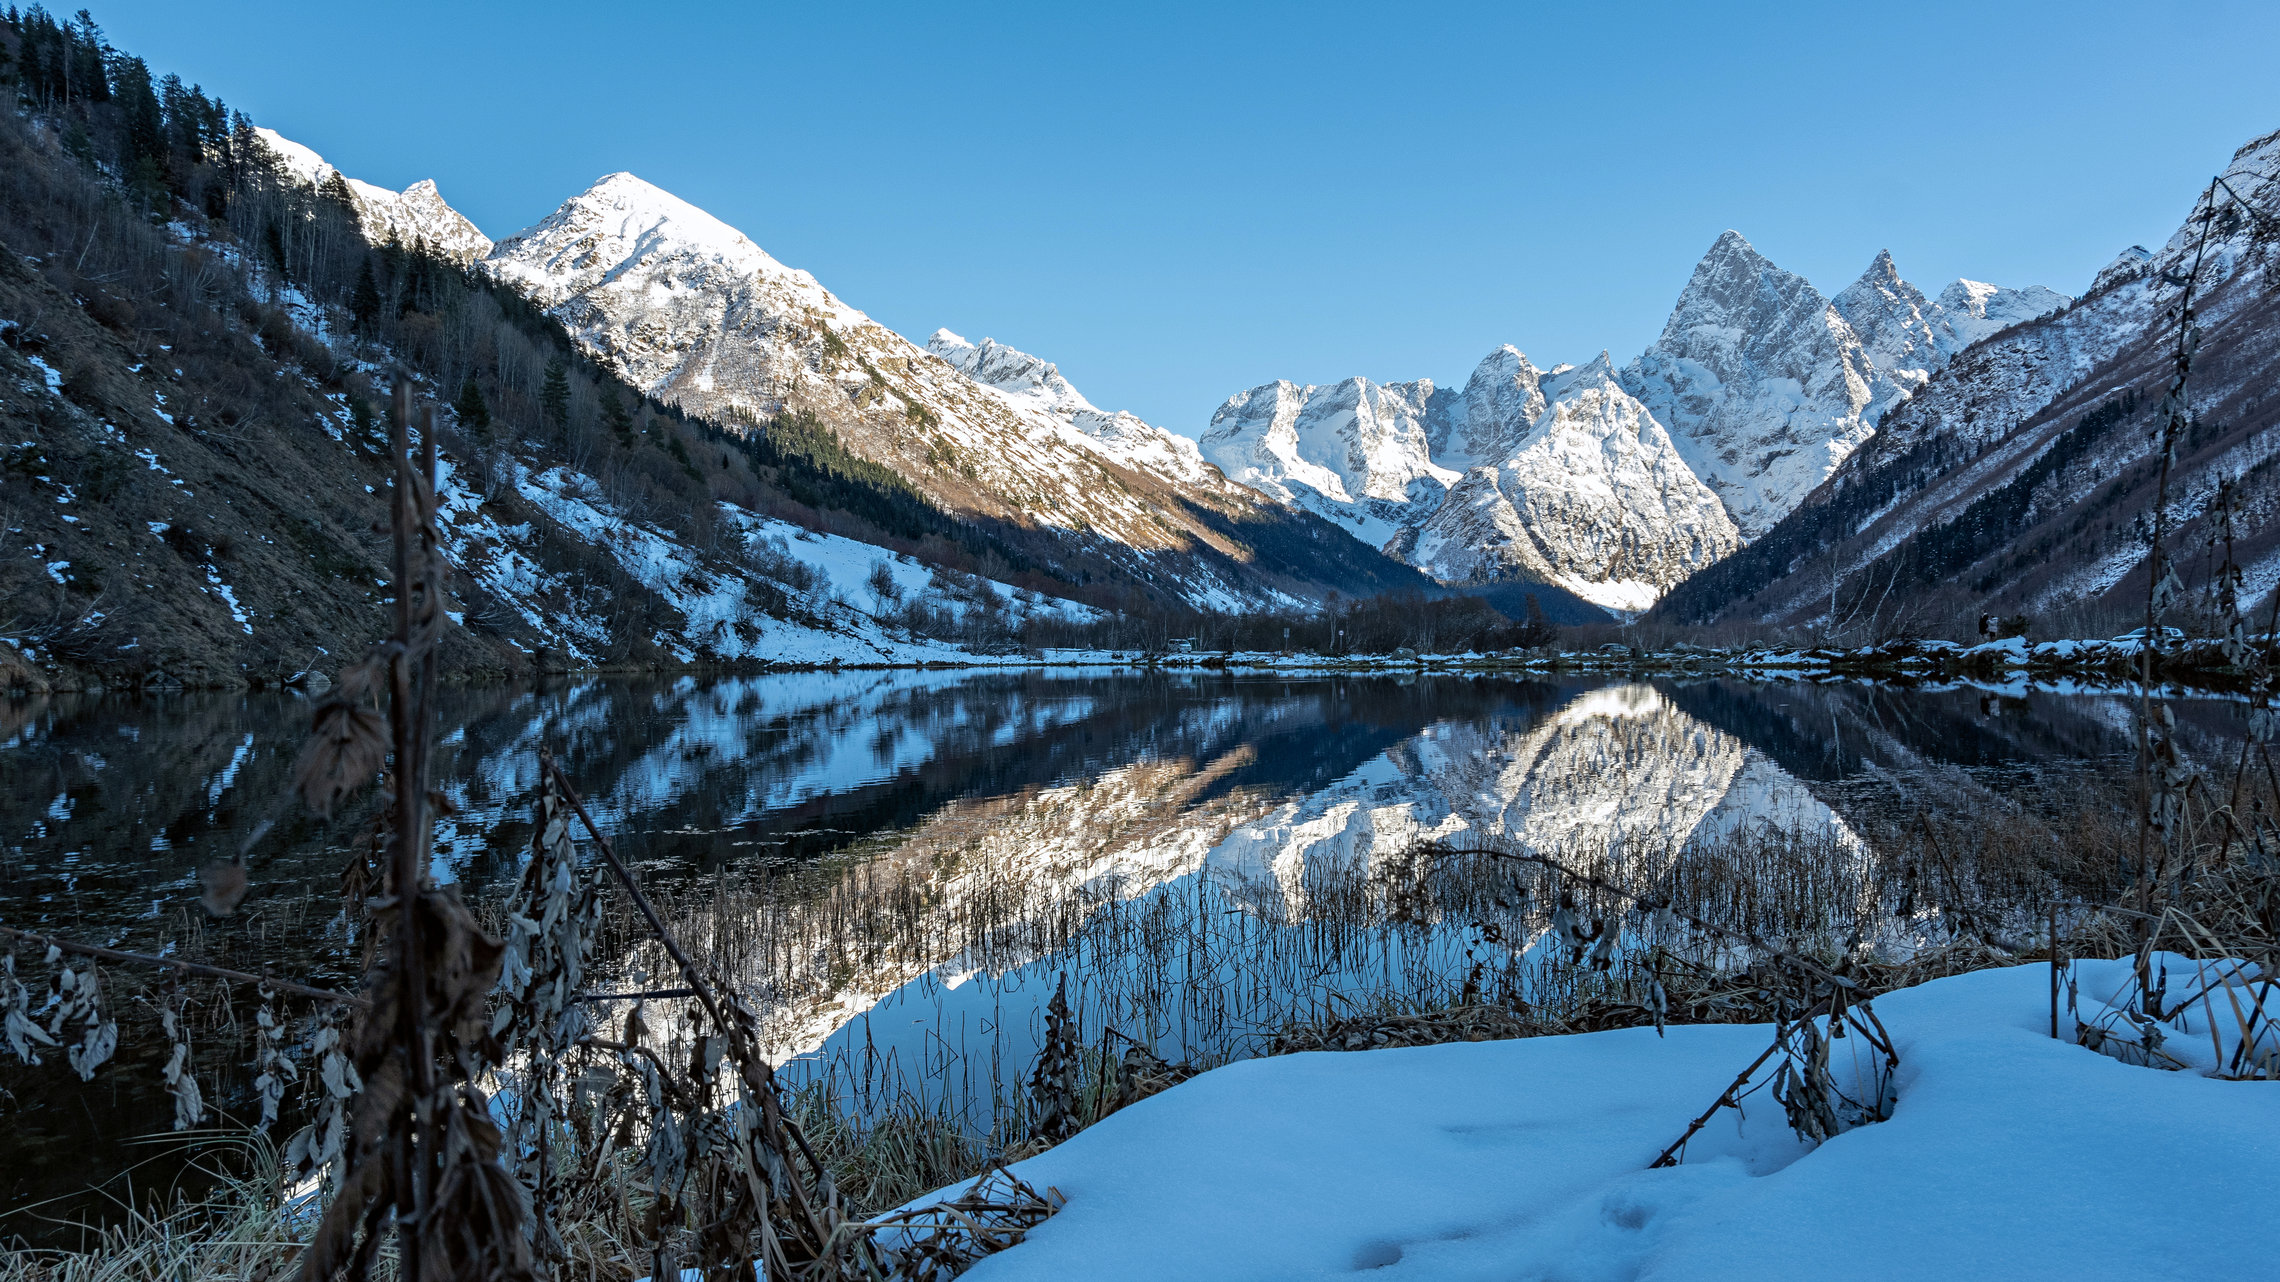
(111,803)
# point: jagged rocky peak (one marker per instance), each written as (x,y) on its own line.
(1501,401)
(1006,368)
(1970,310)
(622,220)
(1908,338)
(1561,384)
(1344,443)
(1594,497)
(1760,381)
(1881,295)
(1744,320)
(2049,380)
(2127,265)
(417,215)
(686,307)
(1893,321)
(1905,333)
(1036,386)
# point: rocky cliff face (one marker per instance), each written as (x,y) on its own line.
(1907,338)
(1592,496)
(1500,403)
(1758,388)
(1524,475)
(1357,452)
(1762,384)
(1035,387)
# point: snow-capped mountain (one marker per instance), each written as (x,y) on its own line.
(1762,384)
(2019,477)
(2127,265)
(417,215)
(1356,452)
(694,313)
(1500,402)
(1908,337)
(1614,486)
(1593,497)
(1617,486)
(1035,387)
(1522,476)
(1767,386)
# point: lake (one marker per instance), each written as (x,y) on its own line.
(1173,843)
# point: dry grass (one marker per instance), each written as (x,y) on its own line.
(242,1231)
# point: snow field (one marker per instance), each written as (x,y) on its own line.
(2010,1155)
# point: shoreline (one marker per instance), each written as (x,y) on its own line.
(1999,666)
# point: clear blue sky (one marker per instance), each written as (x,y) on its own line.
(1176,203)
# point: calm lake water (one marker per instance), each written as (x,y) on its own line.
(1144,781)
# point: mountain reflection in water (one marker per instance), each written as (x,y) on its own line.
(1083,778)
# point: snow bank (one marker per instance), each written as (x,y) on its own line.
(2010,1155)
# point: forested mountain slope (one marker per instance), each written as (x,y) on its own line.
(195,353)
(199,328)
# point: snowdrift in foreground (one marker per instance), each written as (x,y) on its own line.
(2010,1155)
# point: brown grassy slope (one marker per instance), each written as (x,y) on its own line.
(245,504)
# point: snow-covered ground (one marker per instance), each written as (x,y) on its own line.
(2009,1155)
(836,616)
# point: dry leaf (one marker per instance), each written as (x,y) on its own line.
(348,743)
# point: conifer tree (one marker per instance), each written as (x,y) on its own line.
(415,288)
(334,191)
(1537,630)
(364,303)
(680,454)
(138,103)
(359,419)
(474,413)
(554,395)
(617,420)
(86,80)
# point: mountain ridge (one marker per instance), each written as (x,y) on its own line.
(695,313)
(2019,480)
(1759,385)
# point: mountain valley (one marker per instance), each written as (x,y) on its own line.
(641,405)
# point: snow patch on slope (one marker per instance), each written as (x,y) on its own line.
(1035,387)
